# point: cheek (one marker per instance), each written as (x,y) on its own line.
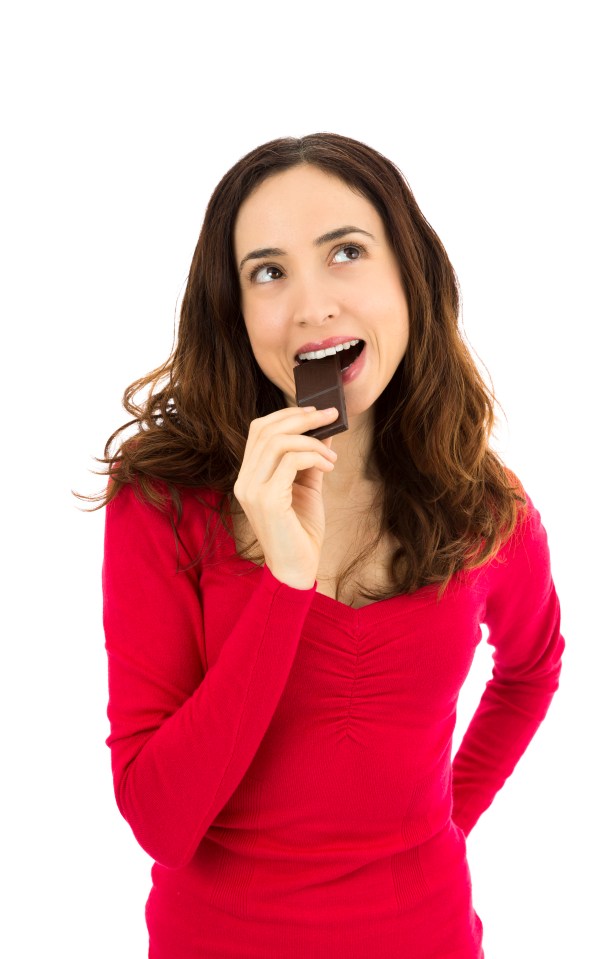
(265,334)
(395,304)
(384,302)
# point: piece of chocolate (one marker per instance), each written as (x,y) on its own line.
(318,383)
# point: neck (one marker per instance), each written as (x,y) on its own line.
(353,448)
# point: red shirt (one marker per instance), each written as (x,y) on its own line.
(286,759)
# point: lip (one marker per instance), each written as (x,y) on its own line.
(355,369)
(324,344)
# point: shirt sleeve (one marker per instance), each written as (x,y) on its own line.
(523,617)
(182,737)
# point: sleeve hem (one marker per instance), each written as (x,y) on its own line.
(275,584)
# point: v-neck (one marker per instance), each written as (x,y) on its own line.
(339,612)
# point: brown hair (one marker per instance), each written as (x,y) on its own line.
(446,498)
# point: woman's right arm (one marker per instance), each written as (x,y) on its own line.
(182,739)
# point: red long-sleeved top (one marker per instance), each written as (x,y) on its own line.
(286,759)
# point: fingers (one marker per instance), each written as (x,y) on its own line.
(279,486)
(294,419)
(294,451)
(279,439)
(272,436)
(286,471)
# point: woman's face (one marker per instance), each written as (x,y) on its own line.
(315,265)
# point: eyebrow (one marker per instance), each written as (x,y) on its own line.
(321,240)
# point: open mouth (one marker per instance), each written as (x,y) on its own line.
(347,357)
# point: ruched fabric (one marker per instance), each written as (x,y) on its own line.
(286,760)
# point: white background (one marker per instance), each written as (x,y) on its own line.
(118,120)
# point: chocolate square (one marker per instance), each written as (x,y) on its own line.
(318,383)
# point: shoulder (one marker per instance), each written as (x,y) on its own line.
(186,520)
(523,562)
(155,494)
(528,528)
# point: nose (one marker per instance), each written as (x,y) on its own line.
(313,301)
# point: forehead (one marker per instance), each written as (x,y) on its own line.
(300,204)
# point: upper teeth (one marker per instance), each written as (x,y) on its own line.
(318,354)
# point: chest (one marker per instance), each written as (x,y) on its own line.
(346,539)
(350,532)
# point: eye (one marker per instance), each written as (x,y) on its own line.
(263,274)
(350,252)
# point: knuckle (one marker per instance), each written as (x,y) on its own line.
(242,489)
(277,443)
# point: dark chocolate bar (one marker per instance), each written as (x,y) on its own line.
(318,383)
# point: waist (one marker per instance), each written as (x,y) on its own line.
(423,890)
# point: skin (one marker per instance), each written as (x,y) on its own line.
(312,291)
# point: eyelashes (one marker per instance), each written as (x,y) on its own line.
(258,269)
(253,274)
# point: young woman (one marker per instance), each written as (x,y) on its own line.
(289,620)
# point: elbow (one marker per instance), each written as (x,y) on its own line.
(160,839)
(169,858)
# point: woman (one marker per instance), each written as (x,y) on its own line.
(289,620)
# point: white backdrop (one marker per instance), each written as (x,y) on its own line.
(119,119)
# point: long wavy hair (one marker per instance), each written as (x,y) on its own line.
(446,498)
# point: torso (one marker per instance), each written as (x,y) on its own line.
(348,531)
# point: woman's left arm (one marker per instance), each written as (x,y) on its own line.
(523,617)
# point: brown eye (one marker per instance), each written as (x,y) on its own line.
(350,252)
(265,273)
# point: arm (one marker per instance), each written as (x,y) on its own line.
(181,739)
(523,617)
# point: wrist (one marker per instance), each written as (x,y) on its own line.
(291,579)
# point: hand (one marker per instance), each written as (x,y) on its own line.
(279,487)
